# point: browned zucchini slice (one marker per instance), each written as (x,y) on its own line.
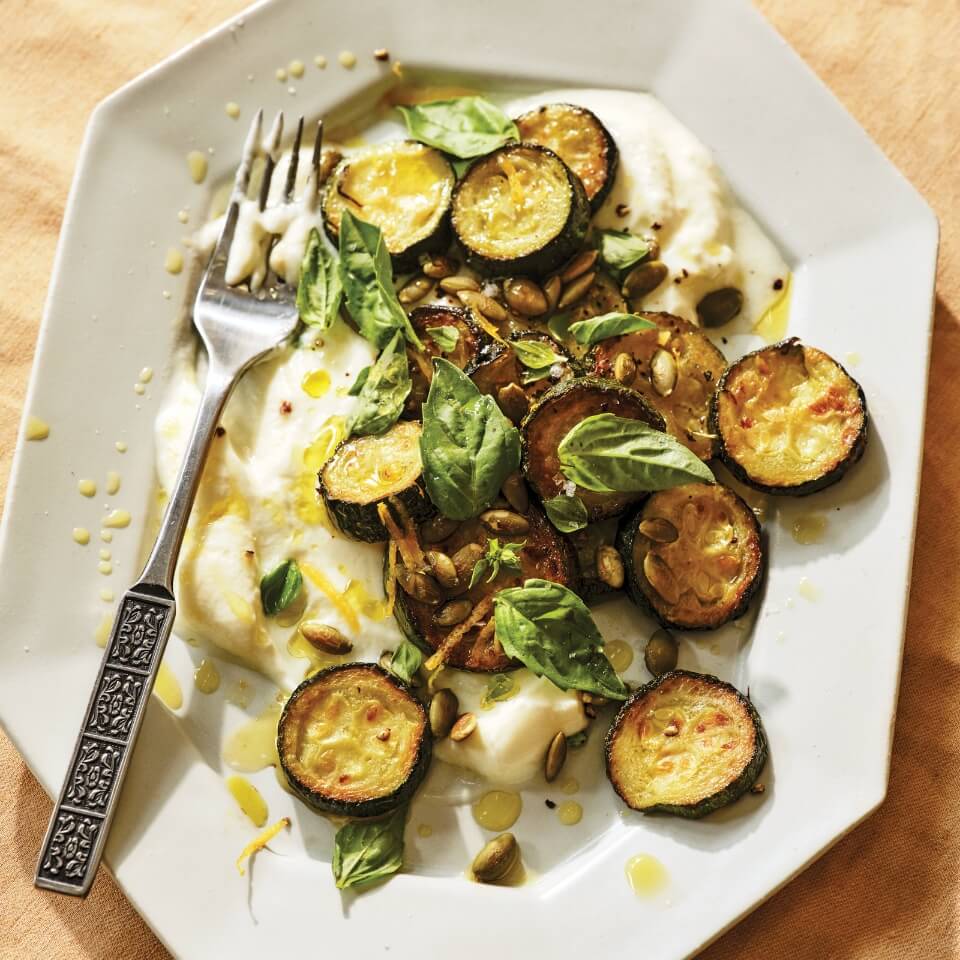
(404,188)
(555,415)
(353,740)
(685,744)
(578,137)
(789,418)
(545,555)
(693,555)
(520,210)
(367,471)
(677,370)
(470,340)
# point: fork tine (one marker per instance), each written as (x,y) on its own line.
(272,148)
(294,164)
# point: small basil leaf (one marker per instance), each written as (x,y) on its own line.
(460,167)
(280,587)
(608,325)
(465,126)
(365,851)
(558,326)
(610,454)
(567,514)
(354,391)
(501,686)
(535,354)
(445,337)
(550,631)
(367,277)
(496,556)
(320,290)
(620,250)
(406,661)
(468,446)
(384,391)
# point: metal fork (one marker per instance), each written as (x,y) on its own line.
(238,327)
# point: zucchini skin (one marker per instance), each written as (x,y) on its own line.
(375,806)
(722,798)
(795,490)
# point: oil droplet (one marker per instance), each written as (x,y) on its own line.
(105,567)
(327,440)
(807,590)
(167,688)
(36,429)
(809,528)
(373,608)
(197,165)
(183,216)
(232,109)
(102,633)
(281,74)
(81,535)
(296,68)
(104,553)
(772,324)
(852,358)
(619,653)
(238,693)
(106,595)
(206,678)
(248,799)
(120,446)
(347,59)
(571,785)
(569,813)
(117,518)
(646,875)
(788,603)
(424,830)
(320,61)
(106,536)
(253,746)
(316,383)
(173,261)
(139,389)
(87,487)
(146,374)
(113,482)
(498,809)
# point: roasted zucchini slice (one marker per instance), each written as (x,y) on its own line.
(353,740)
(578,137)
(545,555)
(519,210)
(685,744)
(693,555)
(789,419)
(556,413)
(498,372)
(675,367)
(404,188)
(367,471)
(470,341)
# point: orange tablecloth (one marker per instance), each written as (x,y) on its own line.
(891,888)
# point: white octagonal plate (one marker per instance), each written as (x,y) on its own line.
(823,671)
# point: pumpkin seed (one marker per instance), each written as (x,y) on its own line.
(452,613)
(513,401)
(660,653)
(658,529)
(556,757)
(504,521)
(458,284)
(466,558)
(551,290)
(661,578)
(465,724)
(579,265)
(576,290)
(610,566)
(443,712)
(415,290)
(481,303)
(516,492)
(324,637)
(524,296)
(438,528)
(496,859)
(419,586)
(440,267)
(624,368)
(663,372)
(644,278)
(719,307)
(442,568)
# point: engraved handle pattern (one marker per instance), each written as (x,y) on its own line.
(81,819)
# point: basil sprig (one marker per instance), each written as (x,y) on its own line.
(383,390)
(320,290)
(445,337)
(608,325)
(610,454)
(406,661)
(280,587)
(464,126)
(497,556)
(548,628)
(367,277)
(468,446)
(621,250)
(365,851)
(567,514)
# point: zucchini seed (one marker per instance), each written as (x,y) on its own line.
(661,578)
(658,529)
(324,637)
(465,725)
(496,859)
(443,712)
(576,290)
(556,757)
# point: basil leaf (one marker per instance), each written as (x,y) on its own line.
(610,454)
(558,326)
(280,587)
(535,354)
(501,686)
(384,391)
(567,514)
(445,337)
(620,250)
(365,851)
(549,629)
(406,661)
(496,556)
(354,391)
(578,739)
(465,126)
(320,290)
(608,325)
(367,278)
(468,446)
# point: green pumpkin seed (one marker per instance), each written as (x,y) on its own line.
(453,613)
(440,267)
(496,859)
(466,558)
(444,707)
(579,265)
(515,491)
(458,284)
(442,568)
(524,296)
(644,278)
(324,637)
(551,290)
(465,725)
(576,290)
(556,757)
(513,401)
(610,566)
(504,521)
(719,307)
(419,586)
(663,372)
(415,290)
(624,368)
(660,653)
(438,528)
